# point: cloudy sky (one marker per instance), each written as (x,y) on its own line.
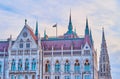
(100,13)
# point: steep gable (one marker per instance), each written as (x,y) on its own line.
(25,37)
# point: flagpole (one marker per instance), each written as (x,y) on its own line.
(56,31)
(56,28)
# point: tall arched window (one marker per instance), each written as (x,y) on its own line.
(77,66)
(33,76)
(57,66)
(13,65)
(67,67)
(19,65)
(87,65)
(47,67)
(33,64)
(26,64)
(0,66)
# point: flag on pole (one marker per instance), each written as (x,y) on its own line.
(56,28)
(55,25)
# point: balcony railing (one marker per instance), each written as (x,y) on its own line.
(22,72)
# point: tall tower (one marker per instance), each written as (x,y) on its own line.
(104,63)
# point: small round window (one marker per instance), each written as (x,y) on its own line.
(25,34)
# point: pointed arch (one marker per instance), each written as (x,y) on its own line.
(47,66)
(57,66)
(33,64)
(28,40)
(67,66)
(77,66)
(19,65)
(87,65)
(13,65)
(26,64)
(21,40)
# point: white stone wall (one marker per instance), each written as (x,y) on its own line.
(62,59)
(4,63)
(33,52)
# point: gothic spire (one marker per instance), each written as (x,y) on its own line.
(104,63)
(103,35)
(70,27)
(91,39)
(75,30)
(45,34)
(36,31)
(87,28)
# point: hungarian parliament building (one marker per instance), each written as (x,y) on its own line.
(67,56)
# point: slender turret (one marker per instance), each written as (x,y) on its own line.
(104,64)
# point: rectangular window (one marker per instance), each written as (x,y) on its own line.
(77,77)
(21,45)
(27,45)
(47,77)
(57,77)
(86,52)
(87,77)
(67,77)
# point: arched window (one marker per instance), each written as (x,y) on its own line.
(13,65)
(57,66)
(87,66)
(0,66)
(33,76)
(19,65)
(33,64)
(77,66)
(67,67)
(27,64)
(47,67)
(104,67)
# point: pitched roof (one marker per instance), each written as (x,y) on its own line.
(4,46)
(31,32)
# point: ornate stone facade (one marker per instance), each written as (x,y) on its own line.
(63,57)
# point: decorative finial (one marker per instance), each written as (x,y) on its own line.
(103,35)
(70,27)
(25,21)
(36,31)
(87,28)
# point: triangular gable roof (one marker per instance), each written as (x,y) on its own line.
(30,31)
